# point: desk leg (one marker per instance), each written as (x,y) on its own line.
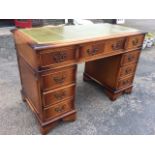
(128,91)
(113,95)
(45,129)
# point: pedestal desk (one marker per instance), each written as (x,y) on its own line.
(48,58)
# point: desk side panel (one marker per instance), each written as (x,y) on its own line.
(25,51)
(30,87)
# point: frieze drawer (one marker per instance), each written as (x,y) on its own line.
(91,50)
(115,45)
(57,57)
(135,41)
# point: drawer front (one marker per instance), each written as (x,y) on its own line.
(135,41)
(58,57)
(127,70)
(124,82)
(91,50)
(58,95)
(130,57)
(115,45)
(59,78)
(58,109)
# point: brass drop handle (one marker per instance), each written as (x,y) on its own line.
(60,57)
(130,57)
(135,42)
(59,80)
(60,109)
(92,52)
(128,70)
(60,95)
(117,45)
(88,51)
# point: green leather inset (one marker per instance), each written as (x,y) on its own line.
(60,34)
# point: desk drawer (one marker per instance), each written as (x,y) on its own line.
(59,78)
(135,41)
(127,70)
(58,95)
(58,56)
(130,57)
(58,109)
(115,45)
(91,49)
(124,82)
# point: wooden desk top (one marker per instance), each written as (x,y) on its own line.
(82,33)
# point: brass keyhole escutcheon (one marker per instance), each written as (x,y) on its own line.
(60,57)
(59,79)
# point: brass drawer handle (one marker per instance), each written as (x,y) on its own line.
(130,57)
(59,79)
(135,42)
(117,45)
(60,109)
(60,57)
(128,70)
(92,52)
(60,95)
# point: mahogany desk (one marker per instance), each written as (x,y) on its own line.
(48,58)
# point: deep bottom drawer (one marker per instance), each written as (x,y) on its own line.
(58,109)
(125,82)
